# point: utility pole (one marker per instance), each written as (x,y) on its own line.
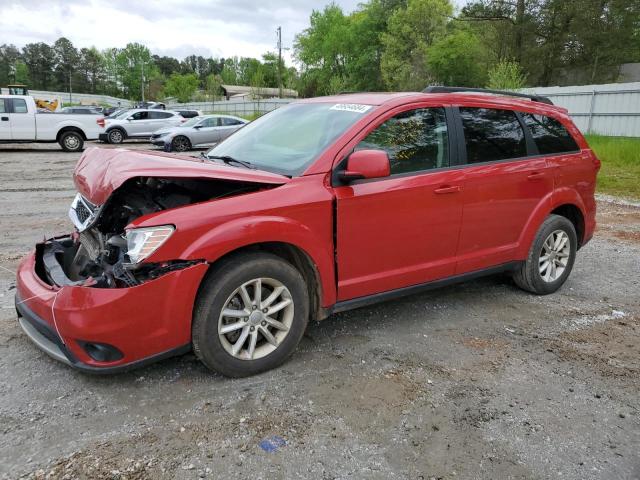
(279,62)
(142,79)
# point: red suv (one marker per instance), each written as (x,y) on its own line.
(324,205)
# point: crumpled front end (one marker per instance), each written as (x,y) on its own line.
(104,329)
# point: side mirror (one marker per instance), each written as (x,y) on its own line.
(198,127)
(129,119)
(366,164)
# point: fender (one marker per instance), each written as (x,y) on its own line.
(246,231)
(553,200)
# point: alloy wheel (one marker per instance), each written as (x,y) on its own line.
(554,256)
(256,318)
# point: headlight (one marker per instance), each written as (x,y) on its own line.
(142,242)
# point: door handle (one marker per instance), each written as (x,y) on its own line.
(5,119)
(447,189)
(535,176)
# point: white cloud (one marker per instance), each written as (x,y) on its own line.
(171,27)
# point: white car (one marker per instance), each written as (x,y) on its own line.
(138,123)
(197,131)
(20,121)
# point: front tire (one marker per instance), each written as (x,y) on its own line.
(550,258)
(115,136)
(180,144)
(71,142)
(251,313)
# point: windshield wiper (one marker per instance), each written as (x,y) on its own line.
(231,161)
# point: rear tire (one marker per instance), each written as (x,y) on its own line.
(180,144)
(71,142)
(550,258)
(268,310)
(115,136)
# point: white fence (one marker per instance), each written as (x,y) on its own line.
(610,109)
(85,98)
(232,107)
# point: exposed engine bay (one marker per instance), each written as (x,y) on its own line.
(98,253)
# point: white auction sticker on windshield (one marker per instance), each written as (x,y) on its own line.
(351,107)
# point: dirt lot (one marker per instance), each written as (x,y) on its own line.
(478,380)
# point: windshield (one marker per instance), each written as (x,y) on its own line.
(289,139)
(121,114)
(191,122)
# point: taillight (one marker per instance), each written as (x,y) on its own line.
(100,122)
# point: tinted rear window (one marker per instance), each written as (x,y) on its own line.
(159,115)
(549,134)
(492,135)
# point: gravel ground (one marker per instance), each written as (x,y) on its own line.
(478,380)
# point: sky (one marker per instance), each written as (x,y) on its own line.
(178,28)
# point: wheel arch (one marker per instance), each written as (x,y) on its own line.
(293,255)
(117,127)
(64,130)
(565,202)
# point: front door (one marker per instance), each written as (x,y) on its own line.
(401,230)
(5,124)
(138,124)
(22,122)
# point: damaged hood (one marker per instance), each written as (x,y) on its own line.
(100,171)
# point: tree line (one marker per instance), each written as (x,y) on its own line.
(126,72)
(382,45)
(408,44)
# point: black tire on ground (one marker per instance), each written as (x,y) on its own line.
(528,276)
(115,135)
(71,141)
(214,294)
(180,144)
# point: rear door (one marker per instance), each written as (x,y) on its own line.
(159,119)
(228,126)
(23,125)
(5,124)
(401,230)
(505,180)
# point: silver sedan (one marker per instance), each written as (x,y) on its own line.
(197,131)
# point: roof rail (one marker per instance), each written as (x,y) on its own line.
(534,98)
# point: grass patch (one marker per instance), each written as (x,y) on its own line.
(620,172)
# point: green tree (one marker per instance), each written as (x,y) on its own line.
(181,86)
(458,59)
(411,31)
(67,59)
(40,61)
(213,88)
(9,54)
(506,75)
(135,69)
(92,66)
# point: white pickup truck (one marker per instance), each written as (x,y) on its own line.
(20,121)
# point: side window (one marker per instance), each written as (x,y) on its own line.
(3,109)
(492,135)
(140,115)
(227,122)
(159,115)
(19,105)
(549,134)
(414,140)
(212,122)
